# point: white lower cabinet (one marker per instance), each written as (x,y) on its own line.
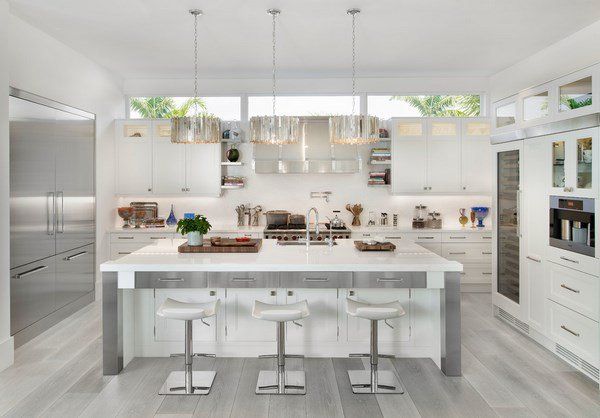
(359,330)
(173,330)
(536,288)
(241,326)
(322,324)
(574,331)
(573,289)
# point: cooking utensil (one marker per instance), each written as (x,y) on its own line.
(277,217)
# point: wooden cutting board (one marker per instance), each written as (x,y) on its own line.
(382,246)
(226,245)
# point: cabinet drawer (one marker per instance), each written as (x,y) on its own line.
(458,237)
(243,280)
(474,273)
(468,253)
(574,331)
(390,279)
(425,236)
(574,289)
(327,279)
(170,280)
(589,265)
(119,250)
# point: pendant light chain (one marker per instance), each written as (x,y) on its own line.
(274,37)
(195,64)
(353,64)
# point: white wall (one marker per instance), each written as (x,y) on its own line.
(570,54)
(6,342)
(44,66)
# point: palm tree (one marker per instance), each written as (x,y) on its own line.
(443,106)
(190,104)
(164,107)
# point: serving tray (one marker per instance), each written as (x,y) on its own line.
(382,246)
(225,245)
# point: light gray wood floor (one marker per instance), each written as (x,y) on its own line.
(59,374)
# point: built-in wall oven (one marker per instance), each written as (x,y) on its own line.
(572,224)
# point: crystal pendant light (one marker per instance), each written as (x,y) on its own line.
(274,130)
(197,129)
(353,129)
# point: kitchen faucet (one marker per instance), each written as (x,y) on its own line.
(308,225)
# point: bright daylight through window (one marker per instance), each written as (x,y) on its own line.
(302,105)
(226,107)
(385,107)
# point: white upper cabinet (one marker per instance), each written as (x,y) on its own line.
(203,169)
(409,155)
(476,156)
(169,161)
(134,157)
(443,155)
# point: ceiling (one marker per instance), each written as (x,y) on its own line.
(154,38)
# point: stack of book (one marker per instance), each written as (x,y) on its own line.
(379,178)
(381,155)
(233,181)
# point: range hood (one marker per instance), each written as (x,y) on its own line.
(314,154)
(573,124)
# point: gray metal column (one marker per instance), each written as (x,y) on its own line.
(112,324)
(450,325)
(189,386)
(374,356)
(281,356)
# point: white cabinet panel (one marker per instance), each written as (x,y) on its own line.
(409,156)
(359,329)
(241,326)
(476,156)
(443,156)
(322,324)
(573,289)
(203,169)
(574,331)
(173,330)
(468,252)
(476,273)
(169,165)
(432,246)
(134,157)
(120,250)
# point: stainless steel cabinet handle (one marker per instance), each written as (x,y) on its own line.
(425,237)
(537,260)
(71,257)
(570,331)
(60,228)
(486,253)
(158,237)
(458,253)
(486,237)
(243,279)
(568,259)
(29,272)
(393,237)
(564,286)
(486,273)
(458,237)
(316,279)
(168,279)
(124,252)
(51,208)
(125,237)
(383,280)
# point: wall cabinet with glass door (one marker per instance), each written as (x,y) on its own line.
(574,160)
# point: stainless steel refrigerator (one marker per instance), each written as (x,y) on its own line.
(52,212)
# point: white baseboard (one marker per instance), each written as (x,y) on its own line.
(7,353)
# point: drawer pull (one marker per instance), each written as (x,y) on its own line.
(486,253)
(425,237)
(243,279)
(316,279)
(169,279)
(570,331)
(71,257)
(125,237)
(486,237)
(537,260)
(564,286)
(382,280)
(486,273)
(158,237)
(458,237)
(568,259)
(393,237)
(458,253)
(124,252)
(29,272)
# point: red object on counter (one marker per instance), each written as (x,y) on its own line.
(242,239)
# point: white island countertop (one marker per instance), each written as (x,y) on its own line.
(163,256)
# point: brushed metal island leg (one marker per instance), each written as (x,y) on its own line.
(450,325)
(112,324)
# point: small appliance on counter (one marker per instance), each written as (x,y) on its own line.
(420,214)
(573,224)
(434,220)
(336,222)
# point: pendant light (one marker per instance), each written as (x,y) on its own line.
(274,130)
(197,129)
(353,129)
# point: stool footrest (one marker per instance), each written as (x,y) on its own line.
(177,355)
(386,356)
(175,383)
(293,383)
(204,355)
(386,382)
(359,355)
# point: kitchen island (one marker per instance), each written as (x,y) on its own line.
(426,284)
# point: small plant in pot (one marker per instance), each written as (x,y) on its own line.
(194,229)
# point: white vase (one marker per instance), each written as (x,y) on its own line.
(195,239)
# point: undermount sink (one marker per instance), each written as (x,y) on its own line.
(304,243)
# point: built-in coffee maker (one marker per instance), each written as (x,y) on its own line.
(572,224)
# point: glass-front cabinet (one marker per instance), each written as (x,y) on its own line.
(536,106)
(574,163)
(506,115)
(575,95)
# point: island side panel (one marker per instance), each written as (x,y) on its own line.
(112,325)
(450,325)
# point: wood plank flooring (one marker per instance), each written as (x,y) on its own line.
(59,374)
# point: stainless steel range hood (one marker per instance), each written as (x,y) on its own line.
(314,154)
(573,124)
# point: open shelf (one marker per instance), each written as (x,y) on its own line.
(229,163)
(241,186)
(378,185)
(376,162)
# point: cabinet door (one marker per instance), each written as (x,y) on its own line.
(322,324)
(169,161)
(134,157)
(203,169)
(585,162)
(241,326)
(75,274)
(359,329)
(535,207)
(443,156)
(173,329)
(409,156)
(476,156)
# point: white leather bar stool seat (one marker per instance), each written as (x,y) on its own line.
(374,381)
(280,382)
(188,382)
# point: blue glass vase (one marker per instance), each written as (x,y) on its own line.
(481,212)
(171,220)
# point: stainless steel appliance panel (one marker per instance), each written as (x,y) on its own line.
(242,279)
(311,279)
(75,274)
(170,280)
(31,293)
(573,224)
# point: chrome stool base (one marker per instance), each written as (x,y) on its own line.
(386,382)
(292,383)
(176,383)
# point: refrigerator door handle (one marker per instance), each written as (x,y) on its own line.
(51,209)
(60,219)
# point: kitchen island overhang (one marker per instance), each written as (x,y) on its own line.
(340,267)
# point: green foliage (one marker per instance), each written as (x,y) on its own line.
(576,104)
(443,105)
(164,107)
(199,223)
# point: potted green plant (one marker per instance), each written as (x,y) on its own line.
(194,229)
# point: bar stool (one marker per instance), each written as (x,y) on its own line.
(280,382)
(188,382)
(374,380)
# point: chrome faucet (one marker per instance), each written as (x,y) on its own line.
(308,224)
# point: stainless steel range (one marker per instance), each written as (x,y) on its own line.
(294,232)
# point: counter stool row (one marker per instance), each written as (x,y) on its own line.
(280,381)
